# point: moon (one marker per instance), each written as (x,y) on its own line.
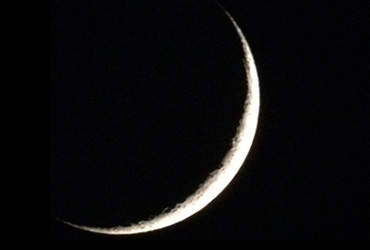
(220,178)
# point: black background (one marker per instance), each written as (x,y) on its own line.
(146,96)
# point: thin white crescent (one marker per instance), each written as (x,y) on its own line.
(220,178)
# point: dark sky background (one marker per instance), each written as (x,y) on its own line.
(145,98)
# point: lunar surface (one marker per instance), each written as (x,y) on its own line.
(218,179)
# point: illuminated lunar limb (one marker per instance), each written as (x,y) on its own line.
(219,179)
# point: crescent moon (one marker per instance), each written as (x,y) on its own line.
(220,178)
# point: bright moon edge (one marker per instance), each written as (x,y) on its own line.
(220,178)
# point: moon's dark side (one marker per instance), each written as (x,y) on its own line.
(145,100)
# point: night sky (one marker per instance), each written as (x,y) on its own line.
(146,96)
